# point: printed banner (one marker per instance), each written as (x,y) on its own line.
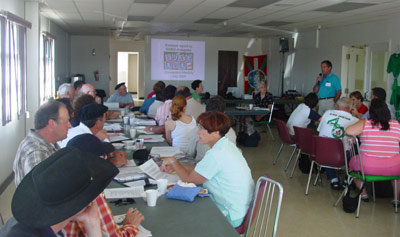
(255,72)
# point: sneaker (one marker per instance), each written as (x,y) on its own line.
(335,186)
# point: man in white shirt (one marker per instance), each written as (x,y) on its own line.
(93,117)
(151,113)
(304,113)
(333,124)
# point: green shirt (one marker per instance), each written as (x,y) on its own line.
(195,95)
(394,65)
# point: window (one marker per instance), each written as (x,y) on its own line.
(47,81)
(12,66)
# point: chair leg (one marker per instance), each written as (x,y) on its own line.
(290,159)
(359,204)
(277,155)
(396,206)
(373,191)
(318,176)
(295,163)
(309,178)
(270,133)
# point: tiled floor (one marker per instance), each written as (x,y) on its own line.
(312,215)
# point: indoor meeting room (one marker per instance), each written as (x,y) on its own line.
(199,118)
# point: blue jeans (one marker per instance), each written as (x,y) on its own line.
(330,173)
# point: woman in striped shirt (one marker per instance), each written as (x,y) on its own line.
(380,138)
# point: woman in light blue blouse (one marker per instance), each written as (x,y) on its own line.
(223,170)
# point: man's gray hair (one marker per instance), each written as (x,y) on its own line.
(46,112)
(64,88)
(344,103)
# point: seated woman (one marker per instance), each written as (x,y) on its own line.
(380,138)
(358,107)
(178,129)
(223,170)
(263,99)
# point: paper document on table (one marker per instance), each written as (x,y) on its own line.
(152,170)
(136,183)
(259,108)
(145,122)
(131,192)
(130,163)
(112,127)
(118,138)
(129,173)
(165,151)
(152,138)
(118,120)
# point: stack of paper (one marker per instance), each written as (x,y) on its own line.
(145,122)
(152,170)
(152,138)
(165,151)
(129,173)
(131,192)
(112,127)
(118,138)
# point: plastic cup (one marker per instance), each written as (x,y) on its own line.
(132,120)
(122,112)
(126,119)
(151,196)
(250,106)
(162,186)
(132,132)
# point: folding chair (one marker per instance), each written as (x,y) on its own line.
(328,153)
(286,140)
(267,123)
(303,137)
(261,210)
(351,175)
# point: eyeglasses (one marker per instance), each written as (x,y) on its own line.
(123,201)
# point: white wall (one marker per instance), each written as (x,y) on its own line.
(213,45)
(126,46)
(83,62)
(307,58)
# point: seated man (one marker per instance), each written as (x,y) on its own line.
(121,96)
(197,86)
(197,150)
(51,126)
(91,144)
(77,87)
(90,90)
(150,100)
(304,113)
(40,210)
(193,107)
(333,123)
(92,117)
(66,90)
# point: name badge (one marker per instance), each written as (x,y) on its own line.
(328,84)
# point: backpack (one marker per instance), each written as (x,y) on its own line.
(248,140)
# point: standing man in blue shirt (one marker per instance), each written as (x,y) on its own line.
(328,88)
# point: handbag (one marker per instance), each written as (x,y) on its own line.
(350,203)
(183,193)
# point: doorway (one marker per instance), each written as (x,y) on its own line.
(128,71)
(353,69)
(227,71)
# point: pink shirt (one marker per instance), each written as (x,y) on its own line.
(163,113)
(378,143)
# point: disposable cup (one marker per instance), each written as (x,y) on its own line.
(122,112)
(162,186)
(151,196)
(132,121)
(132,132)
(126,119)
(250,106)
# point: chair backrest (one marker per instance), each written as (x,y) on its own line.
(303,139)
(270,114)
(283,132)
(263,219)
(328,151)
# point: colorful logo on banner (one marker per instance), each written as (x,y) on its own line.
(255,72)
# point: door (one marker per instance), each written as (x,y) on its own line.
(377,60)
(227,71)
(353,69)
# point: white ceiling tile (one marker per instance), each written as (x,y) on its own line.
(120,7)
(199,12)
(186,2)
(89,6)
(174,12)
(305,16)
(72,16)
(89,16)
(140,9)
(229,12)
(219,3)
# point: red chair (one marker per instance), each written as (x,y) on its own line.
(328,153)
(261,209)
(286,140)
(303,137)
